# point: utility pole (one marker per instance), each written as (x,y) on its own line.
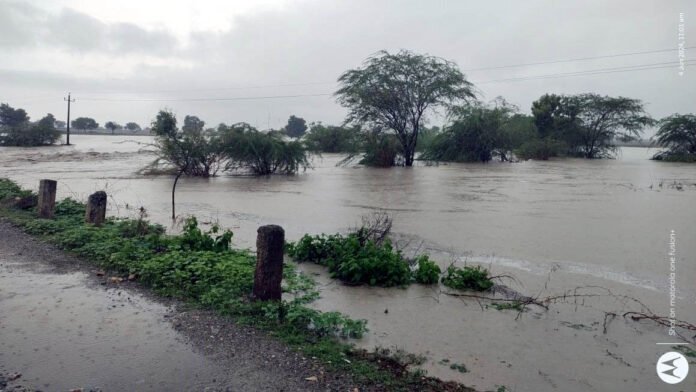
(67,123)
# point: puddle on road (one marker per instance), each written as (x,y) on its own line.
(61,334)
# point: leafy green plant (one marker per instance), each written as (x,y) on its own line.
(427,272)
(354,261)
(515,305)
(10,190)
(467,278)
(195,239)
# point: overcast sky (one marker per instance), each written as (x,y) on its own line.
(110,54)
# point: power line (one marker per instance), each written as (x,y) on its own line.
(574,59)
(597,71)
(333,82)
(215,89)
(203,99)
(590,72)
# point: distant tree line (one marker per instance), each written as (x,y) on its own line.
(389,101)
(16,129)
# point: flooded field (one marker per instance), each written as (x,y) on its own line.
(603,225)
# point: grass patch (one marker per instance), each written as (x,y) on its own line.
(200,267)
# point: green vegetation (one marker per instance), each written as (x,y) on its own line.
(393,93)
(687,351)
(200,267)
(17,130)
(467,278)
(332,139)
(478,134)
(585,125)
(196,151)
(296,127)
(132,126)
(354,260)
(678,134)
(460,367)
(261,153)
(112,126)
(515,305)
(427,271)
(84,123)
(381,150)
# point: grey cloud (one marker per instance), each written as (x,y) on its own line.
(18,24)
(24,26)
(76,31)
(125,37)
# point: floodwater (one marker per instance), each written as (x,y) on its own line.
(61,333)
(553,226)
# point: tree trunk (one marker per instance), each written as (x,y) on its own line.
(176,179)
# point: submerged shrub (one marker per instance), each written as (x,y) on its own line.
(354,261)
(261,153)
(427,272)
(467,278)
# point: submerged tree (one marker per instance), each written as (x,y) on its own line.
(17,130)
(476,134)
(173,147)
(261,153)
(586,124)
(678,134)
(397,91)
(332,139)
(602,119)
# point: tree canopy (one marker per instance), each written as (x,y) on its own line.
(132,126)
(17,130)
(84,123)
(678,134)
(296,127)
(112,126)
(395,92)
(332,139)
(588,124)
(477,133)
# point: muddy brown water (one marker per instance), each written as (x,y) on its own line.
(62,333)
(552,225)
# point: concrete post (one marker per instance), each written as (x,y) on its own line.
(95,213)
(47,198)
(269,263)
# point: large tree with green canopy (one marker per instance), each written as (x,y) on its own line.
(397,91)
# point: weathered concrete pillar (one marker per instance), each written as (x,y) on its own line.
(269,263)
(47,198)
(95,213)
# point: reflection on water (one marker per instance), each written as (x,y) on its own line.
(592,222)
